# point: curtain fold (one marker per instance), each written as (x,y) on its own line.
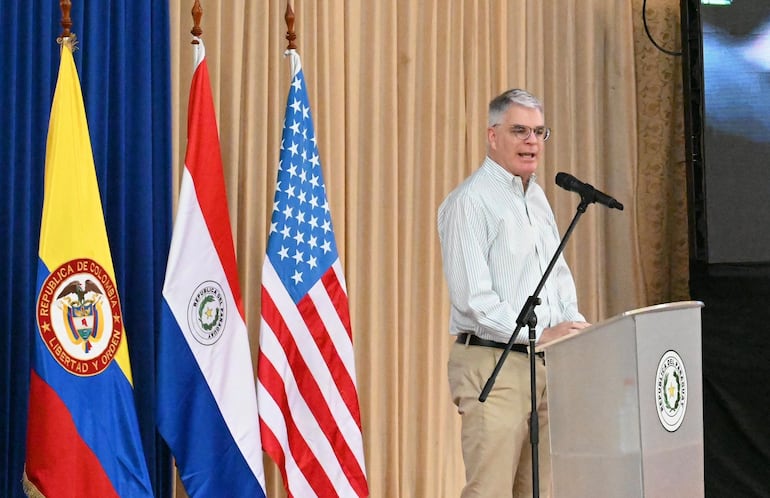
(25,96)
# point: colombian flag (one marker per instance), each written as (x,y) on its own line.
(82,437)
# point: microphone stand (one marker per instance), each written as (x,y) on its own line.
(527,317)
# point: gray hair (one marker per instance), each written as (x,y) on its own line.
(516,96)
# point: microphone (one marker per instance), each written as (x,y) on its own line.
(587,192)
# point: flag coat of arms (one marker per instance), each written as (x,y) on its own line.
(82,435)
(309,411)
(206,394)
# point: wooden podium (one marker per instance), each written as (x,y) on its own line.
(625,399)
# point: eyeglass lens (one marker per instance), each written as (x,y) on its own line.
(523,132)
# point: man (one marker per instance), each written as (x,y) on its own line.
(498,234)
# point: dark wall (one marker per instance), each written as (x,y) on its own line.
(727,132)
(736,377)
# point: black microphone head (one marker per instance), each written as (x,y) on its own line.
(561,178)
(567,181)
(588,194)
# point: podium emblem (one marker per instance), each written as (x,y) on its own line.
(671,391)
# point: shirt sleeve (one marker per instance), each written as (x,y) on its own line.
(567,293)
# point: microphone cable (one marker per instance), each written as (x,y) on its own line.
(649,35)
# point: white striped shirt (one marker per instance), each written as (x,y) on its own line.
(496,242)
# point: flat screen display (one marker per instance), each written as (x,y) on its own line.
(736,127)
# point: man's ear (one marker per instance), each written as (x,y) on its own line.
(492,137)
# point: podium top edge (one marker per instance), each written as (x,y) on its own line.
(656,308)
(663,307)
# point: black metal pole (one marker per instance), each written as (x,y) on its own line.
(534,422)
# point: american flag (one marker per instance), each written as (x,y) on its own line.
(308,403)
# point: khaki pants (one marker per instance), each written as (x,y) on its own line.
(495,434)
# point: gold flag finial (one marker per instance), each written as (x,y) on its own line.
(197,13)
(290,26)
(67,37)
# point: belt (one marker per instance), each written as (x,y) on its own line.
(465,338)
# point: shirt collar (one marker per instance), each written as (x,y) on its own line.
(498,173)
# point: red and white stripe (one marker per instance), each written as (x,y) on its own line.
(309,415)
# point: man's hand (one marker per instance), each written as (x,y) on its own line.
(558,331)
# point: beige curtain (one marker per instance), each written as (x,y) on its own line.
(399,92)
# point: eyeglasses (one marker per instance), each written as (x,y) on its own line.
(523,132)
